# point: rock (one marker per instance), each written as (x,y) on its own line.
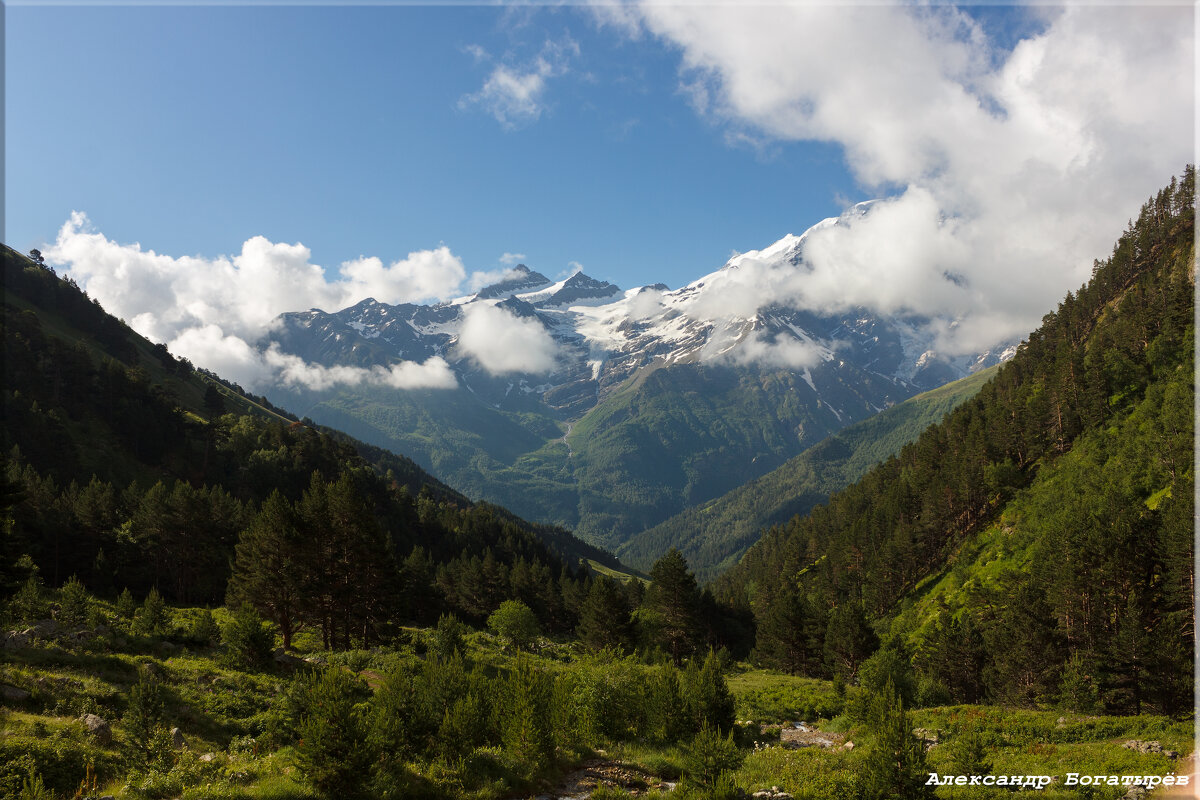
(13,692)
(16,640)
(177,740)
(207,758)
(43,627)
(1134,793)
(98,728)
(848,746)
(287,659)
(1171,754)
(929,736)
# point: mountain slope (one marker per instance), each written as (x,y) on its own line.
(714,535)
(93,410)
(657,400)
(1035,546)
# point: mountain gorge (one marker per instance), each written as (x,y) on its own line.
(649,402)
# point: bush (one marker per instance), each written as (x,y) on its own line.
(74,603)
(514,622)
(126,605)
(203,630)
(447,638)
(248,639)
(710,757)
(153,617)
(332,752)
(143,718)
(29,604)
(706,695)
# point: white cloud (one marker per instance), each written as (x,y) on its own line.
(1010,171)
(515,95)
(212,311)
(484,278)
(501,342)
(784,352)
(512,258)
(573,268)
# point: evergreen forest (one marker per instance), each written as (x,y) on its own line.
(204,596)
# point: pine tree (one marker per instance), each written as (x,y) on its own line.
(269,568)
(786,632)
(849,640)
(894,767)
(670,610)
(605,618)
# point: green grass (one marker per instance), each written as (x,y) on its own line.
(768,697)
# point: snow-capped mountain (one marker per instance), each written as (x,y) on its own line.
(604,335)
(635,403)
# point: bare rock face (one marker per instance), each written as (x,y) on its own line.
(98,728)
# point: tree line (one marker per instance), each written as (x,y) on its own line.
(1074,462)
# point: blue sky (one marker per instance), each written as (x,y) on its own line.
(190,130)
(281,158)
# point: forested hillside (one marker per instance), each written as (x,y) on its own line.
(714,535)
(129,469)
(1036,546)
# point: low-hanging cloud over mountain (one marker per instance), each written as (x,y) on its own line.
(214,311)
(502,343)
(1003,172)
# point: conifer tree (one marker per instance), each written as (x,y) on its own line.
(605,618)
(269,568)
(786,632)
(894,768)
(849,640)
(670,610)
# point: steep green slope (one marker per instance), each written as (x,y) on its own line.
(667,439)
(109,438)
(1035,546)
(713,536)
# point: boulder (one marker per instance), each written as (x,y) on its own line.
(13,692)
(16,640)
(177,740)
(98,729)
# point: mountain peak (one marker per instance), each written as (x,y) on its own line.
(518,280)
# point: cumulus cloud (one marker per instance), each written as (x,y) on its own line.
(500,342)
(515,94)
(1004,173)
(484,278)
(512,258)
(645,304)
(213,311)
(783,351)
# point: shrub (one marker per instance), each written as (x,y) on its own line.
(126,605)
(73,603)
(203,629)
(447,638)
(333,752)
(29,604)
(710,757)
(515,623)
(248,639)
(152,619)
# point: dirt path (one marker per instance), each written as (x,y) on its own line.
(580,784)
